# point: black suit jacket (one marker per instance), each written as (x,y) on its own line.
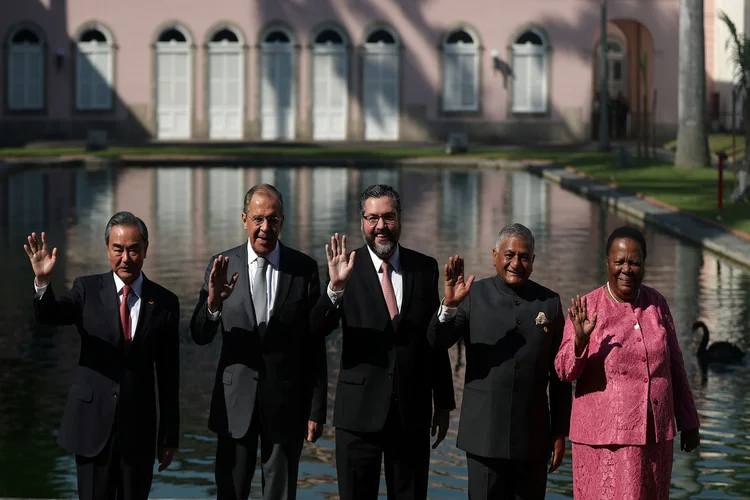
(510,359)
(115,379)
(285,366)
(372,348)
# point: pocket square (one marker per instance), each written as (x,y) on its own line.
(541,319)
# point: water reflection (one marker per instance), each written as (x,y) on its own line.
(194,213)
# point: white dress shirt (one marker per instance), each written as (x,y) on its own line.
(272,277)
(134,299)
(397,279)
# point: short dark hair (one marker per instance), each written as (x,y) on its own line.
(630,233)
(379,191)
(126,219)
(265,189)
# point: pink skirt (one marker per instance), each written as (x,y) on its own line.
(622,472)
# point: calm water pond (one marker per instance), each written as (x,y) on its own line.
(193,213)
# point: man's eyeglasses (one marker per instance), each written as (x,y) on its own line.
(273,220)
(388,219)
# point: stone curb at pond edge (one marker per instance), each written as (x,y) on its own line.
(724,242)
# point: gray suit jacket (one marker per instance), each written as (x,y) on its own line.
(284,368)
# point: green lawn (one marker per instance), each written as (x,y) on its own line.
(720,142)
(692,190)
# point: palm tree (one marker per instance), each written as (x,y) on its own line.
(692,132)
(739,45)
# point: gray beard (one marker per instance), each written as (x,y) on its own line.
(380,250)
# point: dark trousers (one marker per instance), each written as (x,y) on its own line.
(502,479)
(236,458)
(108,475)
(407,460)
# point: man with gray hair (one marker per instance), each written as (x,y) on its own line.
(271,385)
(129,328)
(512,328)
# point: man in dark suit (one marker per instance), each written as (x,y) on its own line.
(271,380)
(384,295)
(512,328)
(128,325)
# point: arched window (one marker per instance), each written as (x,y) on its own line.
(277,85)
(380,85)
(330,83)
(226,84)
(94,62)
(25,71)
(460,72)
(173,84)
(530,73)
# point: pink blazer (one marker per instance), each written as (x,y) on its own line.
(632,357)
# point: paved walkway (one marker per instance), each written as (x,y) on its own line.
(724,242)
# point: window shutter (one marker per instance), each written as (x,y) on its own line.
(451,81)
(469,81)
(521,82)
(537,87)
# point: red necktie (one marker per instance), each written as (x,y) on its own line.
(388,293)
(125,313)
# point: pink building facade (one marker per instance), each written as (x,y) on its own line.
(330,70)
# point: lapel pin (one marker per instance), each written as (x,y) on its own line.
(545,328)
(151,302)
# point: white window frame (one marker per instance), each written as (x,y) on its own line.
(227,47)
(459,49)
(173,47)
(26,48)
(530,50)
(85,49)
(331,48)
(271,48)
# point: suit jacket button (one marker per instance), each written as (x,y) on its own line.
(255,378)
(513,412)
(656,402)
(518,321)
(518,302)
(517,366)
(390,374)
(114,395)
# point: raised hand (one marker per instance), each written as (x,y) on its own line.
(340,264)
(219,287)
(42,261)
(455,288)
(583,325)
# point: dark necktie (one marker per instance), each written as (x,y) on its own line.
(260,294)
(125,313)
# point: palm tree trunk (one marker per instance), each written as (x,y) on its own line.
(692,133)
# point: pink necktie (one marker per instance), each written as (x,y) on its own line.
(388,293)
(125,313)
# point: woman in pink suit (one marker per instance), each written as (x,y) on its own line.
(620,345)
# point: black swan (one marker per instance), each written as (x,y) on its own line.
(718,352)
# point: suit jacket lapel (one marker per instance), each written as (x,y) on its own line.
(243,283)
(108,295)
(146,309)
(284,278)
(407,280)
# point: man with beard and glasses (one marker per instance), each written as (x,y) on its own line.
(512,328)
(271,380)
(385,295)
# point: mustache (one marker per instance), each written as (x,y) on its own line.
(384,232)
